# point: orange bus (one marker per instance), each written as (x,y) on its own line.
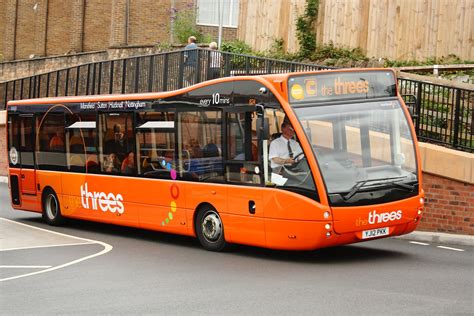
(294,161)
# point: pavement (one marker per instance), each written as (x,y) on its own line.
(420,236)
(439,238)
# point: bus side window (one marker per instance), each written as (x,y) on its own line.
(117,137)
(81,143)
(51,146)
(242,161)
(155,139)
(200,146)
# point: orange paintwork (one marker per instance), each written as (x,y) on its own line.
(282,219)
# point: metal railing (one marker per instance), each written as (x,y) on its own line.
(442,114)
(150,73)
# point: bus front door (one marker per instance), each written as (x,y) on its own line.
(242,170)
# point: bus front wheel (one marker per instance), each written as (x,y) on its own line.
(51,208)
(209,229)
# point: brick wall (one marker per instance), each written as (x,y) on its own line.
(57,27)
(449,207)
(60,25)
(97,22)
(3,151)
(9,25)
(29,22)
(149,23)
(228,33)
(3,25)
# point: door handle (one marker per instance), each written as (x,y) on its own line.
(252,207)
(23,176)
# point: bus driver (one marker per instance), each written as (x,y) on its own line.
(284,149)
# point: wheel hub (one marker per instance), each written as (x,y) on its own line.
(212,227)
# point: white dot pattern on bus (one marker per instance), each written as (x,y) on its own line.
(174,191)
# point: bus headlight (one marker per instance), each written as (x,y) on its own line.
(327,226)
(326,214)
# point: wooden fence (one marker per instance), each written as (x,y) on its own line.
(396,29)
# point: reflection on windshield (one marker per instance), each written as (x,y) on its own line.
(361,145)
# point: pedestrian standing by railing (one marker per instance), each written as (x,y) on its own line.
(215,62)
(190,59)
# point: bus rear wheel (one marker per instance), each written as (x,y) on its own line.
(209,229)
(51,208)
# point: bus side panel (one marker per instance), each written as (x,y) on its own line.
(244,230)
(146,203)
(28,181)
(234,204)
(281,204)
(244,221)
(99,198)
(165,206)
(199,193)
(20,200)
(294,235)
(50,179)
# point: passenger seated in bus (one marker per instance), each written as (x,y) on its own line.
(194,148)
(284,148)
(210,150)
(111,163)
(57,143)
(76,144)
(128,164)
(91,165)
(117,143)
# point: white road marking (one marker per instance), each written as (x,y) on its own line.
(106,249)
(419,243)
(24,267)
(47,246)
(450,248)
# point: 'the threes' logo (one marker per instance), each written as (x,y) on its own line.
(106,202)
(375,218)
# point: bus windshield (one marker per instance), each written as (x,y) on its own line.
(361,146)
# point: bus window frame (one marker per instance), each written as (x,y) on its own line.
(140,121)
(226,159)
(186,108)
(101,135)
(39,118)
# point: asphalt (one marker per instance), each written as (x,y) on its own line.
(420,236)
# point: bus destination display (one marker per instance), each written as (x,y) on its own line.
(341,86)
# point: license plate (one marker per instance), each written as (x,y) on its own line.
(375,233)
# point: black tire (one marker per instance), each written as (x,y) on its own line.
(210,229)
(52,209)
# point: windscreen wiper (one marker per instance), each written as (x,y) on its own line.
(409,187)
(359,184)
